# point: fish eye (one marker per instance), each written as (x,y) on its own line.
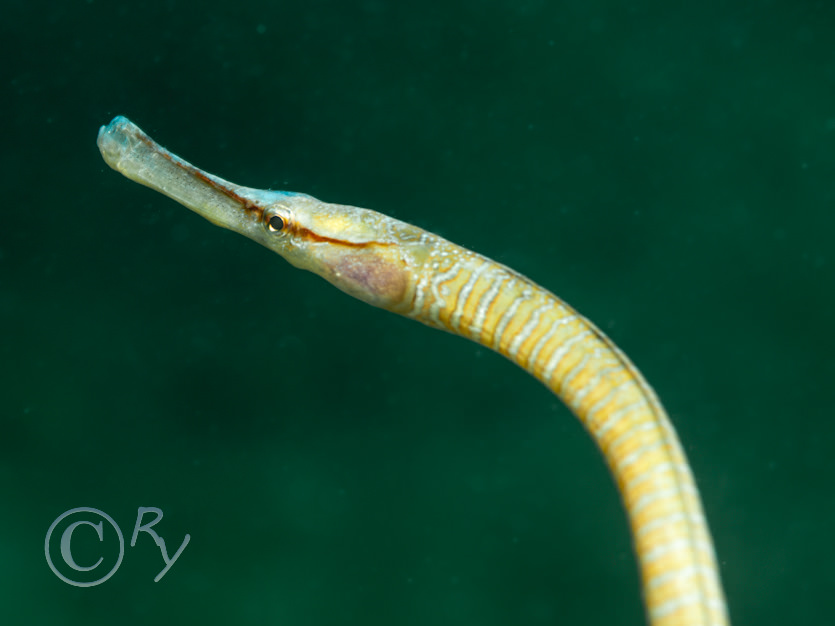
(276,224)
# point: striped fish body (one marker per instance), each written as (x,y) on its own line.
(470,295)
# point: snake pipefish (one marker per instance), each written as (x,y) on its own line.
(406,270)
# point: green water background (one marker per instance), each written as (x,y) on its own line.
(666,167)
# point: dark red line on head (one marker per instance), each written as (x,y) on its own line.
(246,204)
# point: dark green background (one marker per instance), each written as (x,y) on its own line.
(666,167)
